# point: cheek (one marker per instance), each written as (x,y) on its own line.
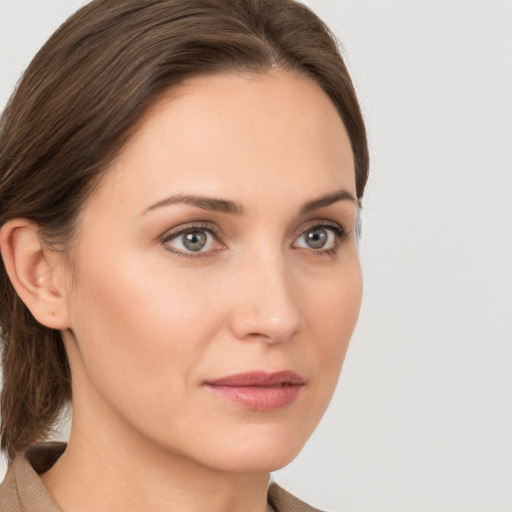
(139,329)
(339,315)
(331,317)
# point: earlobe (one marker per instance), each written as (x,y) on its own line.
(32,270)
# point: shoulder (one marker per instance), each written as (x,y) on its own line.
(22,489)
(283,501)
(9,499)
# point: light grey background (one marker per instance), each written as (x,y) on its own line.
(422,419)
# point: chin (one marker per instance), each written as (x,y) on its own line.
(266,460)
(255,453)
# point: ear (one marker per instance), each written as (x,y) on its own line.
(36,273)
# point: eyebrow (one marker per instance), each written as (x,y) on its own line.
(322,202)
(205,203)
(233,208)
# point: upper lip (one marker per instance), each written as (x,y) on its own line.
(259,378)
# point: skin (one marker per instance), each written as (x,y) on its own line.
(145,322)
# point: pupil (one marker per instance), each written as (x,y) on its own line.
(194,241)
(317,238)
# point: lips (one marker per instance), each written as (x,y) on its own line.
(259,391)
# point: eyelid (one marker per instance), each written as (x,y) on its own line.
(188,226)
(322,223)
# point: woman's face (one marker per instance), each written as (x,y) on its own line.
(220,243)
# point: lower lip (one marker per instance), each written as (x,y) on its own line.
(259,398)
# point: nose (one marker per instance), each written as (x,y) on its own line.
(266,303)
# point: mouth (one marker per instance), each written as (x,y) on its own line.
(259,391)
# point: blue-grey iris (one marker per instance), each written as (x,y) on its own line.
(195,240)
(316,238)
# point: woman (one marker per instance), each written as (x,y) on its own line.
(180,184)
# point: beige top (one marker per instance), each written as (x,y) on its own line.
(23,490)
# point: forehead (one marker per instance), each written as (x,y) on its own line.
(239,135)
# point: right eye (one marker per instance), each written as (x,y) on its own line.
(192,241)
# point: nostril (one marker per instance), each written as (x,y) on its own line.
(257,327)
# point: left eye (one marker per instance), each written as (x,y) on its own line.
(319,238)
(192,240)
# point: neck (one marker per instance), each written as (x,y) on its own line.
(93,476)
(113,470)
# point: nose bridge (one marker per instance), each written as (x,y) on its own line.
(266,305)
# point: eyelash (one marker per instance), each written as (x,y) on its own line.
(340,234)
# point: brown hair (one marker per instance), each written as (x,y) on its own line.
(77,104)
